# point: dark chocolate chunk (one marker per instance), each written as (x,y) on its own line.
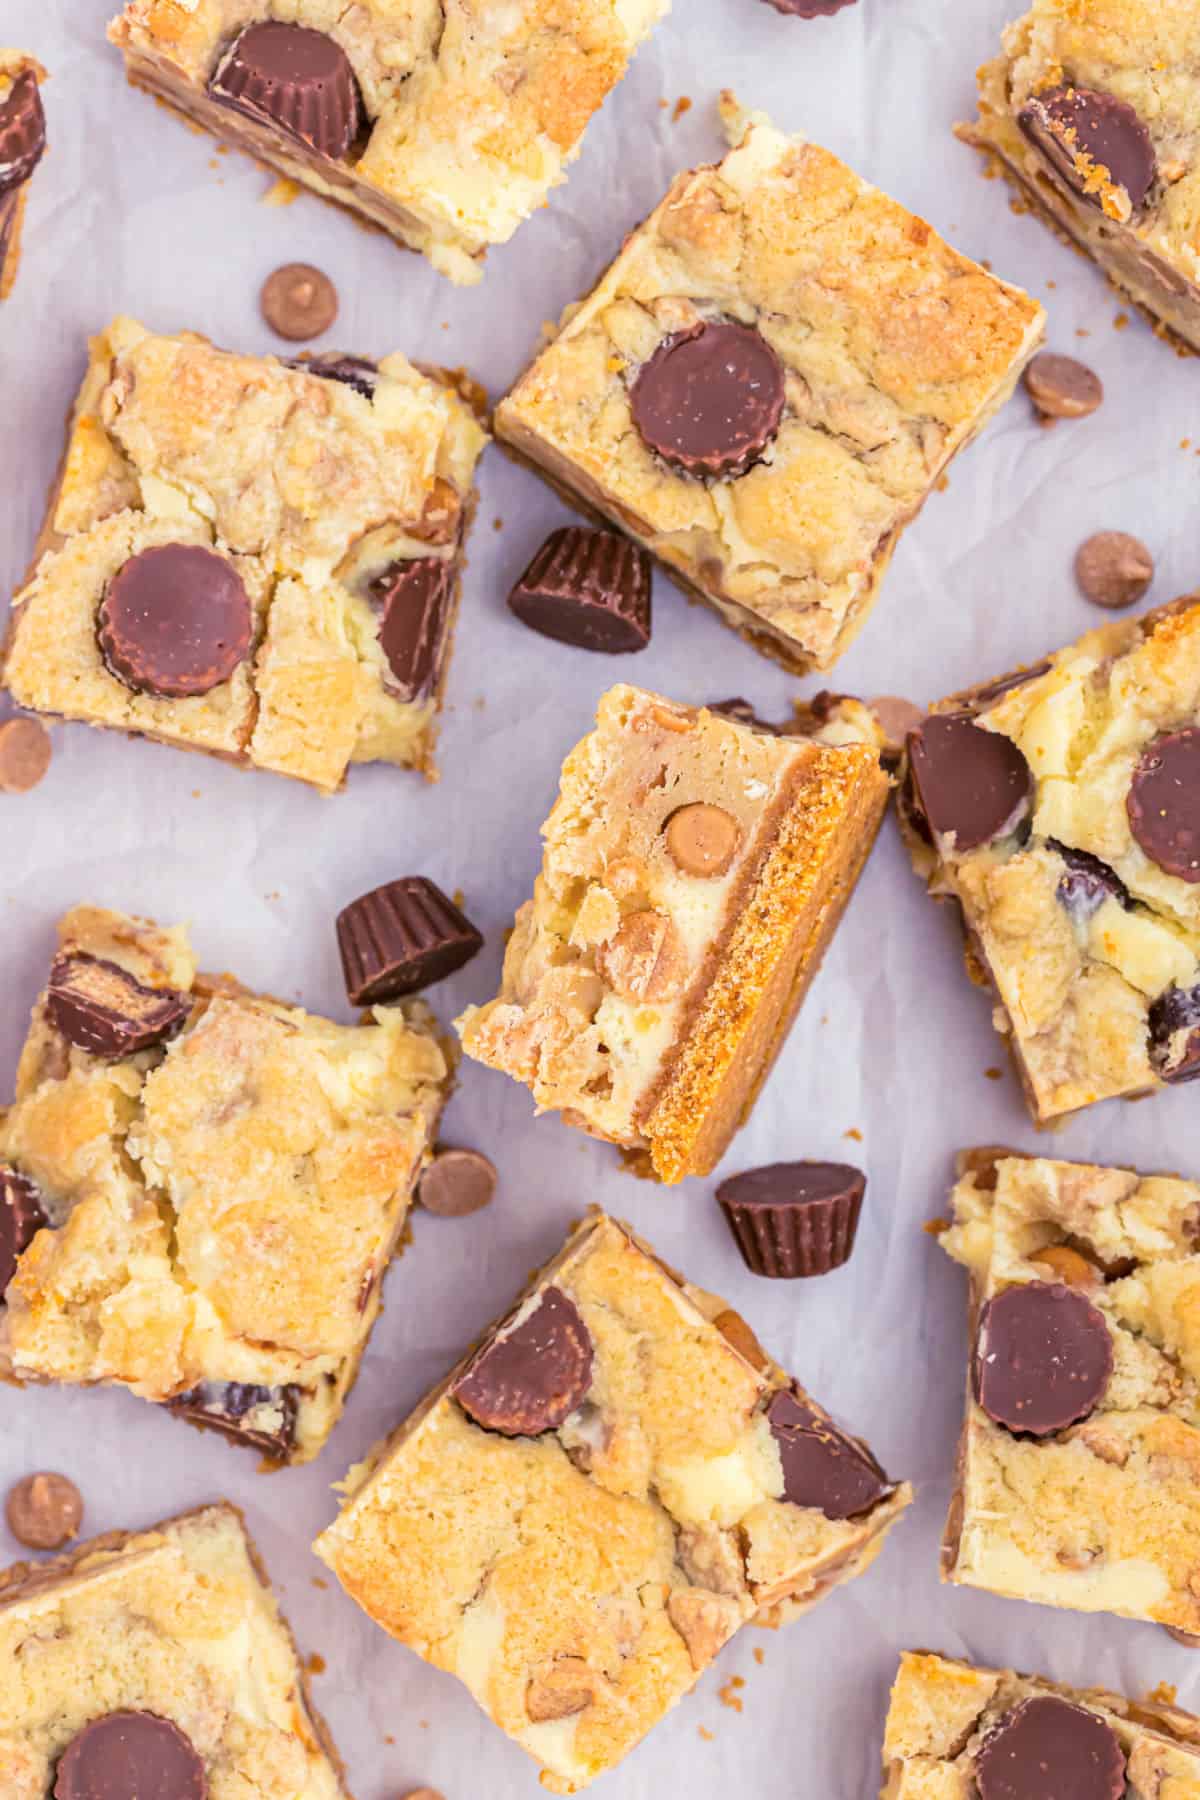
(809,9)
(794,1218)
(590,589)
(413,598)
(22,131)
(1174,1021)
(21,1218)
(175,621)
(1048,1748)
(295,78)
(710,400)
(130,1756)
(358,372)
(1043,1358)
(822,1467)
(1088,882)
(225,1406)
(1163,803)
(971,784)
(101,1008)
(529,1377)
(1082,130)
(401,937)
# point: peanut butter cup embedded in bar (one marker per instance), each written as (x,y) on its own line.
(710,399)
(265,1417)
(21,1218)
(295,78)
(132,1753)
(103,1009)
(22,146)
(175,621)
(402,937)
(794,1219)
(587,588)
(414,598)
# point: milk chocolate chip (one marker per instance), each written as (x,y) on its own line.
(1043,1358)
(1113,569)
(22,131)
(400,938)
(701,839)
(44,1511)
(298,301)
(590,589)
(413,597)
(456,1183)
(1062,388)
(1082,131)
(822,1467)
(175,621)
(21,1218)
(530,1377)
(130,1756)
(972,784)
(1163,803)
(1047,1748)
(101,1008)
(24,754)
(710,400)
(295,78)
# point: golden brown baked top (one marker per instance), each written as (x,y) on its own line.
(222,1203)
(177,1621)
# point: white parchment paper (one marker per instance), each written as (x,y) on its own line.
(133,213)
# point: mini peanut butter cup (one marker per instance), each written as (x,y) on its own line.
(175,621)
(794,1219)
(22,131)
(102,1008)
(413,601)
(130,1756)
(21,1218)
(531,1376)
(590,589)
(294,78)
(709,400)
(1047,1748)
(401,937)
(1082,131)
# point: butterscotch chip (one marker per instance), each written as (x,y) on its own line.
(299,301)
(646,960)
(24,755)
(1068,1265)
(562,1689)
(1113,569)
(1062,388)
(44,1511)
(702,839)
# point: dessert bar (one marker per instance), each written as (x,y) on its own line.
(955,1732)
(1059,808)
(201,1188)
(1079,1468)
(597,1498)
(250,557)
(1089,111)
(22,146)
(768,382)
(446,126)
(694,871)
(156,1663)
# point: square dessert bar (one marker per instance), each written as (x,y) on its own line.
(1079,1468)
(1090,113)
(156,1663)
(767,383)
(22,146)
(597,1498)
(694,871)
(955,1732)
(1060,807)
(201,1188)
(445,125)
(249,557)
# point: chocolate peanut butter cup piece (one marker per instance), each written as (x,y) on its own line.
(809,9)
(741,712)
(709,400)
(401,937)
(972,785)
(130,1756)
(1174,1022)
(530,1378)
(22,131)
(21,1218)
(590,589)
(229,1405)
(1163,803)
(796,1218)
(1043,1358)
(295,78)
(103,1009)
(175,621)
(1082,132)
(1047,1748)
(357,372)
(413,601)
(1087,882)
(822,1467)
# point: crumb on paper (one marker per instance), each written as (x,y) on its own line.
(994,1074)
(497,523)
(1185,443)
(1052,284)
(281,192)
(1121,321)
(389,1739)
(479,703)
(319,1581)
(1018,207)
(1082,331)
(760,1655)
(459,898)
(706,1734)
(195,793)
(935,1227)
(1164,1694)
(681,106)
(943,483)
(985,262)
(663,105)
(728,1695)
(854,1133)
(315,1665)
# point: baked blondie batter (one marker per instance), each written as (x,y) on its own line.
(1058,807)
(201,1188)
(694,871)
(955,1732)
(767,383)
(1090,112)
(596,1500)
(1079,1467)
(22,147)
(253,558)
(156,1663)
(444,122)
